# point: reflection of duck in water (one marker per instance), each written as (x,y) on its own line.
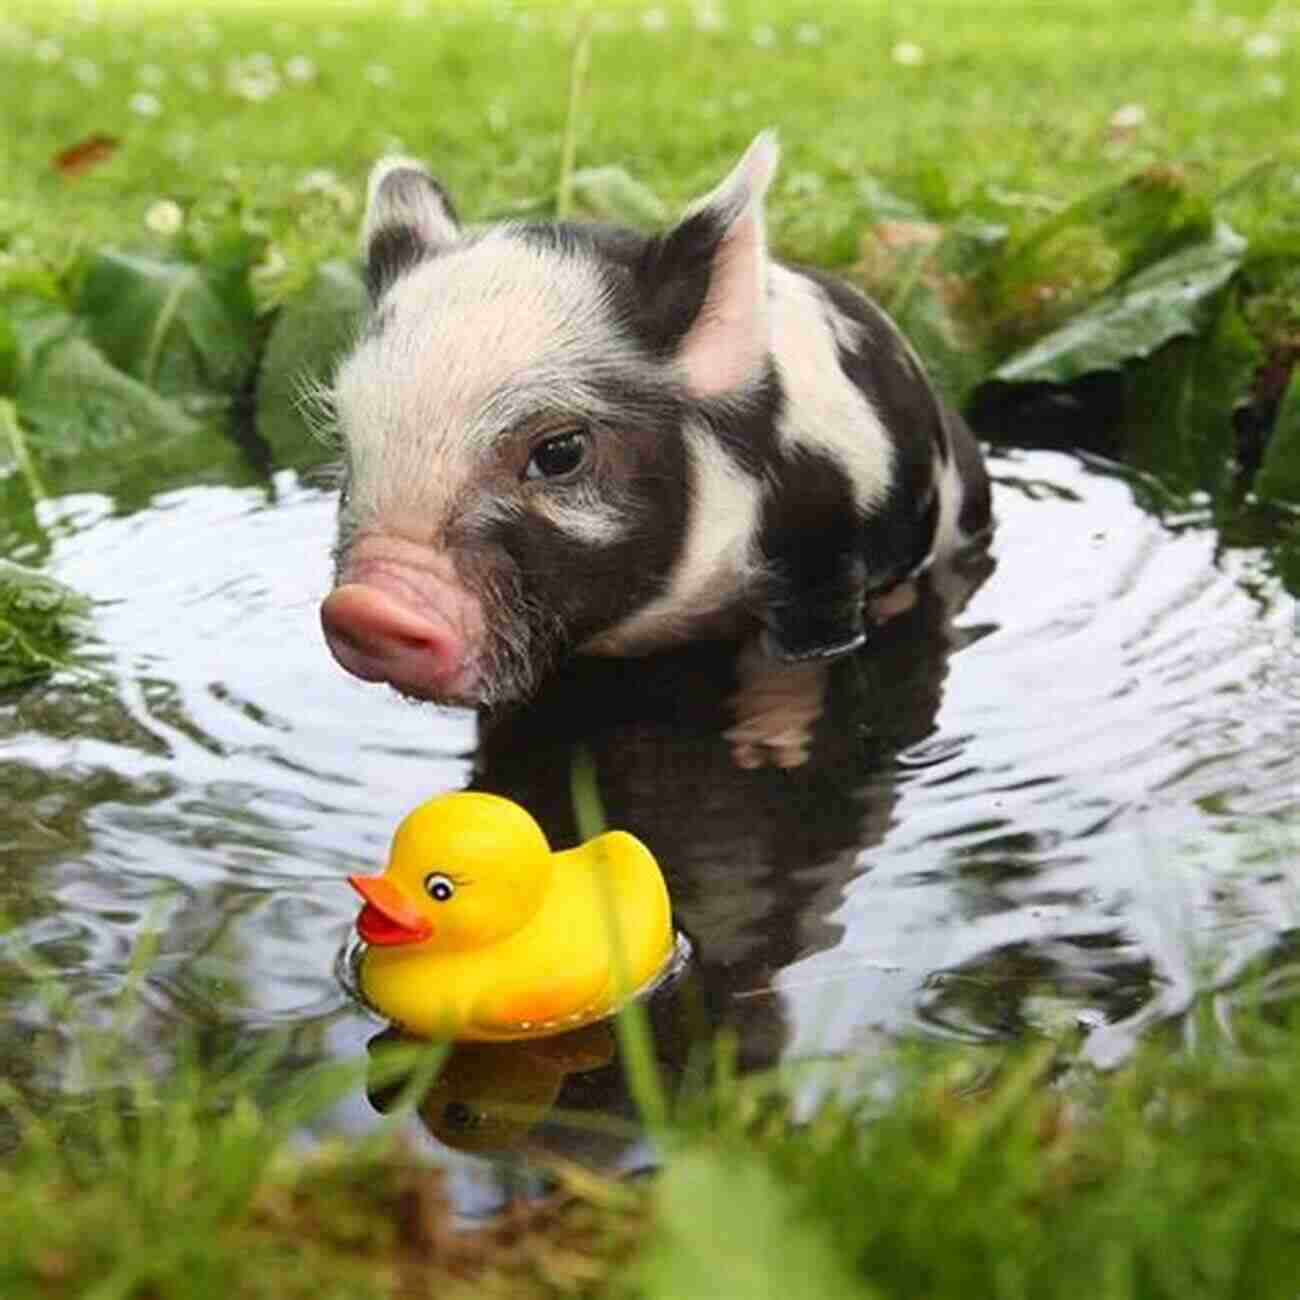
(478,931)
(489,1096)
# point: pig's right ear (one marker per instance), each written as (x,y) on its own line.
(704,283)
(408,218)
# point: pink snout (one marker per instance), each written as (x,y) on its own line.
(379,639)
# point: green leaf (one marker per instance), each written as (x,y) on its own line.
(1178,406)
(1140,221)
(69,394)
(1279,475)
(723,1216)
(613,195)
(1167,300)
(310,333)
(166,323)
(37,623)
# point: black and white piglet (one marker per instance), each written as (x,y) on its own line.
(567,438)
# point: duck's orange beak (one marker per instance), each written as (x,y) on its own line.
(388,917)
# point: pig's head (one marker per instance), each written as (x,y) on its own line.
(530,425)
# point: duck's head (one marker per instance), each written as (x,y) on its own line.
(464,870)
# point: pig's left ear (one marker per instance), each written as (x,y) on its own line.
(704,283)
(408,218)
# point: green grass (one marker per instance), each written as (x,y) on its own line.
(968,1173)
(1008,114)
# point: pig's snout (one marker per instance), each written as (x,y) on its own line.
(378,638)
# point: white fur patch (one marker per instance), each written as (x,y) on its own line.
(947,536)
(469,344)
(589,519)
(826,411)
(718,559)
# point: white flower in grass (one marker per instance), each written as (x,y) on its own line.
(253,77)
(378,74)
(300,68)
(763,35)
(709,16)
(164,217)
(47,50)
(908,53)
(808,34)
(324,182)
(85,71)
(654,20)
(1128,117)
(143,104)
(1263,45)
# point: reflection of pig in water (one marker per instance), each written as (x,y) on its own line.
(757,863)
(566,438)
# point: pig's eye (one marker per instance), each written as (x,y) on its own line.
(439,887)
(558,456)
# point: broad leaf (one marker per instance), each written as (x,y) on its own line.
(71,396)
(1141,220)
(1279,476)
(165,323)
(1178,406)
(1166,301)
(37,623)
(308,337)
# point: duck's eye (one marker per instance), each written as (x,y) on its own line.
(557,456)
(439,887)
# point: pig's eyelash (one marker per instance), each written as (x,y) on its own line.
(314,401)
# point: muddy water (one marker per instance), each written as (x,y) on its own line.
(1075,802)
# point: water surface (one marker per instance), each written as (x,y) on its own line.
(1074,805)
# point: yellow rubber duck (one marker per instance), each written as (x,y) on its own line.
(477,931)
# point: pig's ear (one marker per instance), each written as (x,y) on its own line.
(408,218)
(705,281)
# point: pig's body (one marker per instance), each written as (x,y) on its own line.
(566,438)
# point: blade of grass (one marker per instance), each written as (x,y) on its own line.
(578,65)
(18,446)
(632,1025)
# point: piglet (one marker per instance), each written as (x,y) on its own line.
(565,438)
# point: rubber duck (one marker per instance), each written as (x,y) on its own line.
(478,931)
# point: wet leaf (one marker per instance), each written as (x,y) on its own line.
(37,623)
(85,154)
(614,195)
(308,337)
(1165,301)
(752,1241)
(1178,406)
(1279,475)
(164,323)
(69,393)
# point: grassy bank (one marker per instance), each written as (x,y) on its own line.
(971,1173)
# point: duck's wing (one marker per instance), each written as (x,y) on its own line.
(639,900)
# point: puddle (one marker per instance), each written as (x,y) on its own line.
(1074,807)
